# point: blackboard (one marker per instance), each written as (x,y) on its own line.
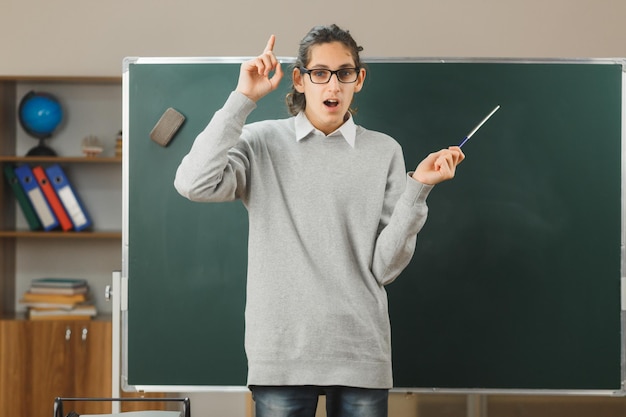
(515,283)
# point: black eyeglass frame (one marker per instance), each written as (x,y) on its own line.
(304,70)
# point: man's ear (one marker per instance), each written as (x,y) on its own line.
(298,81)
(360,80)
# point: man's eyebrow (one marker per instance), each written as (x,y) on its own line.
(322,66)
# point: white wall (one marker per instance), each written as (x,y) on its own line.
(88,37)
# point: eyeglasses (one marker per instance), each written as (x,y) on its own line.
(323,76)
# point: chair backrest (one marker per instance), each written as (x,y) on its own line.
(185,404)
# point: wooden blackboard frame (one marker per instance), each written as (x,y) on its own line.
(616,389)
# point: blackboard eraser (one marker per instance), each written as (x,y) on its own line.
(167,126)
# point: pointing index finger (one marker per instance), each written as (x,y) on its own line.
(270,44)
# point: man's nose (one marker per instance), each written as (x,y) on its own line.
(334,80)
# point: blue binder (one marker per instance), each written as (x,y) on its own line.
(69,198)
(28,182)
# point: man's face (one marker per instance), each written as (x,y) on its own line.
(327,104)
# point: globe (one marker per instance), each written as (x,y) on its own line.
(40,114)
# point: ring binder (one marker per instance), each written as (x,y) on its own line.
(52,197)
(69,198)
(22,198)
(26,178)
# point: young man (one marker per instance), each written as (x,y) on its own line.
(333,219)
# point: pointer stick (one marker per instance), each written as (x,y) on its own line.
(478,127)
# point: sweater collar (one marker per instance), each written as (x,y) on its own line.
(304,128)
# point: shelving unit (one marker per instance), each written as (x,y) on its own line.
(40,358)
(16,239)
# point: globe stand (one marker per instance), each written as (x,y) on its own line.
(41,150)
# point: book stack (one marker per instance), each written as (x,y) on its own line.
(58,299)
(46,197)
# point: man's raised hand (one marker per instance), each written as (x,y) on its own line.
(261,75)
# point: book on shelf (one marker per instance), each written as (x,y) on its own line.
(59,317)
(63,301)
(58,299)
(58,282)
(59,290)
(67,286)
(80,312)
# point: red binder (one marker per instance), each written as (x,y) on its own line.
(53,198)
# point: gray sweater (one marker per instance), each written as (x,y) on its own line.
(330,225)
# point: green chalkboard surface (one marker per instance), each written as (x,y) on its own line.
(515,283)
